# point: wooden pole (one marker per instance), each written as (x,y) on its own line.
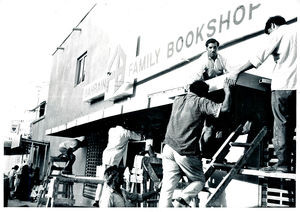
(80,179)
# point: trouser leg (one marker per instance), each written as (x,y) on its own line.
(100,186)
(192,168)
(283,108)
(171,177)
(69,165)
(192,190)
(98,192)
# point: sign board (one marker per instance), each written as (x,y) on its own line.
(115,85)
(165,44)
(95,90)
(118,85)
(15,134)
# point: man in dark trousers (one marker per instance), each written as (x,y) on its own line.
(181,153)
(282,45)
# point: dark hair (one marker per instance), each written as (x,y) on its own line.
(211,40)
(125,122)
(25,170)
(114,177)
(16,167)
(278,20)
(200,88)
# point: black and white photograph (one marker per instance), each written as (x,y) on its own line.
(149,104)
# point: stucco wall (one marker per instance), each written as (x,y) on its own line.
(38,129)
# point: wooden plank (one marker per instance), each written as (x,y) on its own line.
(239,144)
(136,178)
(223,166)
(245,80)
(80,179)
(278,198)
(277,205)
(151,173)
(137,170)
(147,161)
(260,173)
(282,191)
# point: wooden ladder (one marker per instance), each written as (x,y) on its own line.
(145,174)
(233,169)
(57,197)
(51,185)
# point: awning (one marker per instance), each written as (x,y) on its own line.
(149,102)
(23,148)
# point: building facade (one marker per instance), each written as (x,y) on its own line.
(131,60)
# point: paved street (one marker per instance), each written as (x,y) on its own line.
(19,203)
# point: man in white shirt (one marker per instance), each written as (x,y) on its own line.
(115,151)
(12,177)
(67,149)
(211,64)
(282,44)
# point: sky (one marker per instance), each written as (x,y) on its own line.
(30,31)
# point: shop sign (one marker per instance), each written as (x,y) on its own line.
(232,23)
(118,85)
(15,135)
(95,90)
(186,44)
(15,128)
(115,84)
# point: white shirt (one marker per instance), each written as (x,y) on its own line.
(12,173)
(109,198)
(212,67)
(283,43)
(118,138)
(64,146)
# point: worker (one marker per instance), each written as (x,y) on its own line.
(181,151)
(116,150)
(67,149)
(12,176)
(282,45)
(23,190)
(211,64)
(113,193)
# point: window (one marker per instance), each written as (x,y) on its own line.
(42,109)
(39,111)
(80,69)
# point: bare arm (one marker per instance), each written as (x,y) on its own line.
(134,136)
(235,74)
(227,99)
